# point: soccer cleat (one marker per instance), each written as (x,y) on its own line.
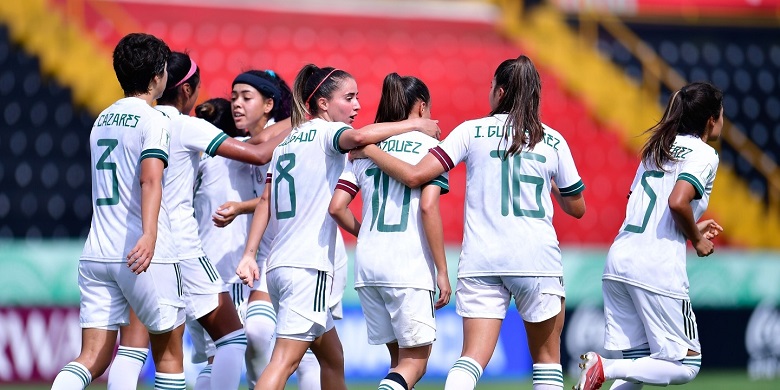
(592,375)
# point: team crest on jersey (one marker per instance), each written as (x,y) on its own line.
(165,138)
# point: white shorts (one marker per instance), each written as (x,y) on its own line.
(406,315)
(262,284)
(202,285)
(537,298)
(301,300)
(337,293)
(635,316)
(108,290)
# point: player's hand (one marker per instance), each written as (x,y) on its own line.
(704,247)
(709,228)
(445,291)
(429,127)
(141,255)
(225,214)
(248,271)
(358,153)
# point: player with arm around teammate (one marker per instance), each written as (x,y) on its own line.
(129,259)
(400,257)
(303,173)
(510,249)
(645,284)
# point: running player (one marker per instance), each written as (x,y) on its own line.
(648,311)
(303,173)
(394,263)
(130,231)
(510,249)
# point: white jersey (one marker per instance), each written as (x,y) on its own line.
(508,214)
(649,251)
(220,180)
(303,173)
(190,136)
(124,134)
(392,250)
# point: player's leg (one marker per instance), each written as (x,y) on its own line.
(330,355)
(103,308)
(203,350)
(130,356)
(215,312)
(482,302)
(260,328)
(540,302)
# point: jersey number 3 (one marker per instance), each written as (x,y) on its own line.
(102,165)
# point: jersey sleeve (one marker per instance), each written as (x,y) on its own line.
(331,138)
(699,170)
(155,142)
(568,179)
(442,181)
(201,136)
(348,181)
(453,149)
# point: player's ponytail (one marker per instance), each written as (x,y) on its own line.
(399,95)
(687,112)
(521,99)
(311,84)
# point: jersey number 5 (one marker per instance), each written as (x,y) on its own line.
(382,181)
(514,179)
(283,171)
(650,205)
(101,165)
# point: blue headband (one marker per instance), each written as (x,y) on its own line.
(265,86)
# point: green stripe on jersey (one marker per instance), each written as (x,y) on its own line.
(573,189)
(336,140)
(694,182)
(211,150)
(155,153)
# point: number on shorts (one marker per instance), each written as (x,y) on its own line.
(283,174)
(514,178)
(650,205)
(382,184)
(102,165)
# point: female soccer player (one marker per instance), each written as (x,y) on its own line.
(394,263)
(648,311)
(300,183)
(510,249)
(130,231)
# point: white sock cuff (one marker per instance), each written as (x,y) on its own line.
(548,373)
(468,365)
(261,308)
(139,354)
(206,371)
(234,337)
(80,371)
(166,381)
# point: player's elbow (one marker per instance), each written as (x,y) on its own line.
(335,209)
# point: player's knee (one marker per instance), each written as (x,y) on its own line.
(690,369)
(259,331)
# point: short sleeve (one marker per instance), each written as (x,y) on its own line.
(155,142)
(442,181)
(453,149)
(201,136)
(331,139)
(348,181)
(568,179)
(699,170)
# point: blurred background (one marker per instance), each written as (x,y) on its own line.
(607,68)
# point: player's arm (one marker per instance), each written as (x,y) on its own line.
(412,176)
(340,212)
(282,127)
(151,176)
(259,154)
(376,132)
(226,213)
(682,213)
(247,268)
(573,205)
(434,234)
